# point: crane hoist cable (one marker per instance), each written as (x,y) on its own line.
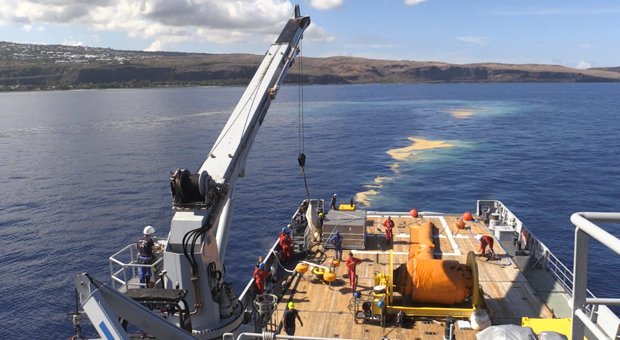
(301,158)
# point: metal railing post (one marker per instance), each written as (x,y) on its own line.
(580,280)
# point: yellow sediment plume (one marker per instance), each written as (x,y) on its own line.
(465,113)
(362,197)
(380,179)
(405,153)
(395,167)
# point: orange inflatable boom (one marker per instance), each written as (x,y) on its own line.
(427,280)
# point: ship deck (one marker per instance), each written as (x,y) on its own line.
(327,309)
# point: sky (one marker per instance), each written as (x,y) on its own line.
(573,33)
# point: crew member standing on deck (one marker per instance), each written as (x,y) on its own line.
(389,224)
(146,247)
(285,243)
(336,240)
(351,264)
(485,241)
(260,275)
(289,319)
(332,204)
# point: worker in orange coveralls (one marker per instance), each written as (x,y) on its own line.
(351,264)
(485,241)
(260,275)
(285,243)
(389,224)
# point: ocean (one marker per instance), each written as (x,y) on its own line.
(82,172)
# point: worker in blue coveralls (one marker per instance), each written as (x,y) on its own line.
(336,240)
(146,247)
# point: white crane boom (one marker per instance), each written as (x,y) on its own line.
(192,262)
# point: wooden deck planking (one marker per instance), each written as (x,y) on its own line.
(326,310)
(512,300)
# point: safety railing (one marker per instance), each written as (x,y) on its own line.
(270,261)
(124,269)
(544,257)
(559,271)
(581,321)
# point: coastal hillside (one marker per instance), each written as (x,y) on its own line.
(27,66)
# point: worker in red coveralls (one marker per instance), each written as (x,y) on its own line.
(286,244)
(351,264)
(260,275)
(389,224)
(485,241)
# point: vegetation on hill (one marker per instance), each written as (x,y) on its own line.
(28,67)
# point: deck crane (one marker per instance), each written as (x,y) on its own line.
(204,201)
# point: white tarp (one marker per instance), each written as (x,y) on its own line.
(312,216)
(507,332)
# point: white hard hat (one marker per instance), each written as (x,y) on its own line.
(148,230)
(478,237)
(335,195)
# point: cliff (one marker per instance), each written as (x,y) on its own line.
(141,69)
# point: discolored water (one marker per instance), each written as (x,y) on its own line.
(82,172)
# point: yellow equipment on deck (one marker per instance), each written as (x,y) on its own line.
(347,207)
(562,326)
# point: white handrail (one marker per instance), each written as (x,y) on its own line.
(585,228)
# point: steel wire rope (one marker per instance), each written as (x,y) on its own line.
(301,158)
(301,105)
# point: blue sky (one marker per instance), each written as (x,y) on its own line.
(572,33)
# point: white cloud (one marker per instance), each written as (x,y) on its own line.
(413,2)
(29,28)
(71,42)
(585,46)
(474,40)
(164,22)
(155,46)
(317,34)
(583,65)
(326,4)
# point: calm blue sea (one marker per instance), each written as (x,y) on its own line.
(82,172)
